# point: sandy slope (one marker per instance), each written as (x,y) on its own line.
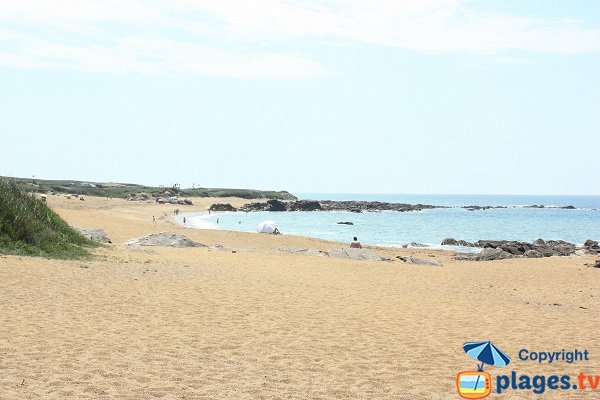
(195,323)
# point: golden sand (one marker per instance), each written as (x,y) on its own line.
(260,324)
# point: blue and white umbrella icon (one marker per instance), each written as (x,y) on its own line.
(487,353)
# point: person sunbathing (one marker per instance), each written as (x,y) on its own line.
(355,244)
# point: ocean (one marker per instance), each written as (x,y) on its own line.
(430,227)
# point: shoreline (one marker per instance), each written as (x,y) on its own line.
(505,248)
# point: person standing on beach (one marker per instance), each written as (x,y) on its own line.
(184,220)
(355,244)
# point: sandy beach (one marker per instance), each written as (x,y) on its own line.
(255,323)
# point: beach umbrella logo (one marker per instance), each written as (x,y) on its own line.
(477,384)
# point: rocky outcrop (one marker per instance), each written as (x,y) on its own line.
(304,205)
(222,207)
(538,248)
(164,239)
(95,234)
(270,205)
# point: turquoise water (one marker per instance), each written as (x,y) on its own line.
(393,228)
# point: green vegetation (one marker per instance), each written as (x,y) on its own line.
(125,190)
(28,227)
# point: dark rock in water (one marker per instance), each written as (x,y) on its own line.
(489,254)
(304,205)
(479,208)
(276,205)
(222,207)
(454,242)
(536,206)
(345,223)
(532,254)
(568,207)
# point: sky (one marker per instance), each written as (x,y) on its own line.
(357,96)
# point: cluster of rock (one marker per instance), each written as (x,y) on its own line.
(501,249)
(543,206)
(354,206)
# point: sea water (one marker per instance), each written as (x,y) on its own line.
(393,228)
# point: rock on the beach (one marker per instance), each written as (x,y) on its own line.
(532,254)
(164,239)
(95,234)
(303,251)
(597,265)
(355,254)
(489,254)
(418,261)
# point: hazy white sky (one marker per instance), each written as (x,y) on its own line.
(409,96)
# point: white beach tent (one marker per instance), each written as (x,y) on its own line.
(267,226)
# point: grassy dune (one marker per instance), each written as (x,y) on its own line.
(29,227)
